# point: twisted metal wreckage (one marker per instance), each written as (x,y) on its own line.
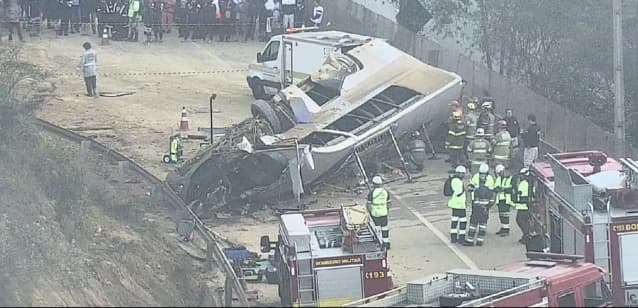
(342,113)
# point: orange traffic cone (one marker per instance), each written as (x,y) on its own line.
(184,126)
(105,37)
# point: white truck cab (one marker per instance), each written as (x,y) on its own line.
(288,58)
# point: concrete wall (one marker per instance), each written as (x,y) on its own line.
(562,128)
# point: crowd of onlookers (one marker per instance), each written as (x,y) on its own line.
(208,20)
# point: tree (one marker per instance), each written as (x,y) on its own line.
(561,49)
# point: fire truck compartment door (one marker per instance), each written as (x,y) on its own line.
(629,255)
(339,285)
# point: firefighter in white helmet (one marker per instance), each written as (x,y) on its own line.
(502,141)
(523,190)
(479,150)
(455,190)
(503,189)
(482,201)
(482,190)
(378,206)
(482,177)
(471,118)
(487,119)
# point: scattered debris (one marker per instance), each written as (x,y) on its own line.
(297,137)
(116,94)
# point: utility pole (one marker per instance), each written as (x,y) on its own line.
(619,86)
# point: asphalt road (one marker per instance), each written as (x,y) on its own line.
(419,230)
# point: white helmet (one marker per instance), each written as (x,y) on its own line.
(480,132)
(524,171)
(377,180)
(499,168)
(460,169)
(484,168)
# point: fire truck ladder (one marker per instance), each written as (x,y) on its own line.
(630,167)
(601,236)
(305,278)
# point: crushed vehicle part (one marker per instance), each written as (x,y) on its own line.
(350,103)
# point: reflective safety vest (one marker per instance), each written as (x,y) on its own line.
(505,191)
(479,150)
(456,136)
(457,200)
(502,142)
(379,202)
(475,182)
(471,122)
(174,146)
(523,195)
(133,9)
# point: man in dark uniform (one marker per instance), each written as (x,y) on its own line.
(252,12)
(50,12)
(208,13)
(65,11)
(482,201)
(191,20)
(87,15)
(229,17)
(180,17)
(156,18)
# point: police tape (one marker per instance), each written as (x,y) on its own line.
(140,24)
(182,73)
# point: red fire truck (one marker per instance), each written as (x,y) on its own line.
(580,209)
(328,257)
(546,280)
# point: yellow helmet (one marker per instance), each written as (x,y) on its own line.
(471,106)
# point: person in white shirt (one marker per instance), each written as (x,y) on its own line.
(317,14)
(273,21)
(288,10)
(88,67)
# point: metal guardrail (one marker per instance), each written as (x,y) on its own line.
(214,251)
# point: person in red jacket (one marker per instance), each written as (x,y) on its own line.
(167,8)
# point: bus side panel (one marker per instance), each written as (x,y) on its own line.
(308,58)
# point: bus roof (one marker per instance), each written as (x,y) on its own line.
(331,38)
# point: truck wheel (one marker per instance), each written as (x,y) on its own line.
(263,111)
(258,89)
(166,159)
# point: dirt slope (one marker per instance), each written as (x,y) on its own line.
(74,235)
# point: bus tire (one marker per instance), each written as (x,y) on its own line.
(262,110)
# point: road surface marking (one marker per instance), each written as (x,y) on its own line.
(443,238)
